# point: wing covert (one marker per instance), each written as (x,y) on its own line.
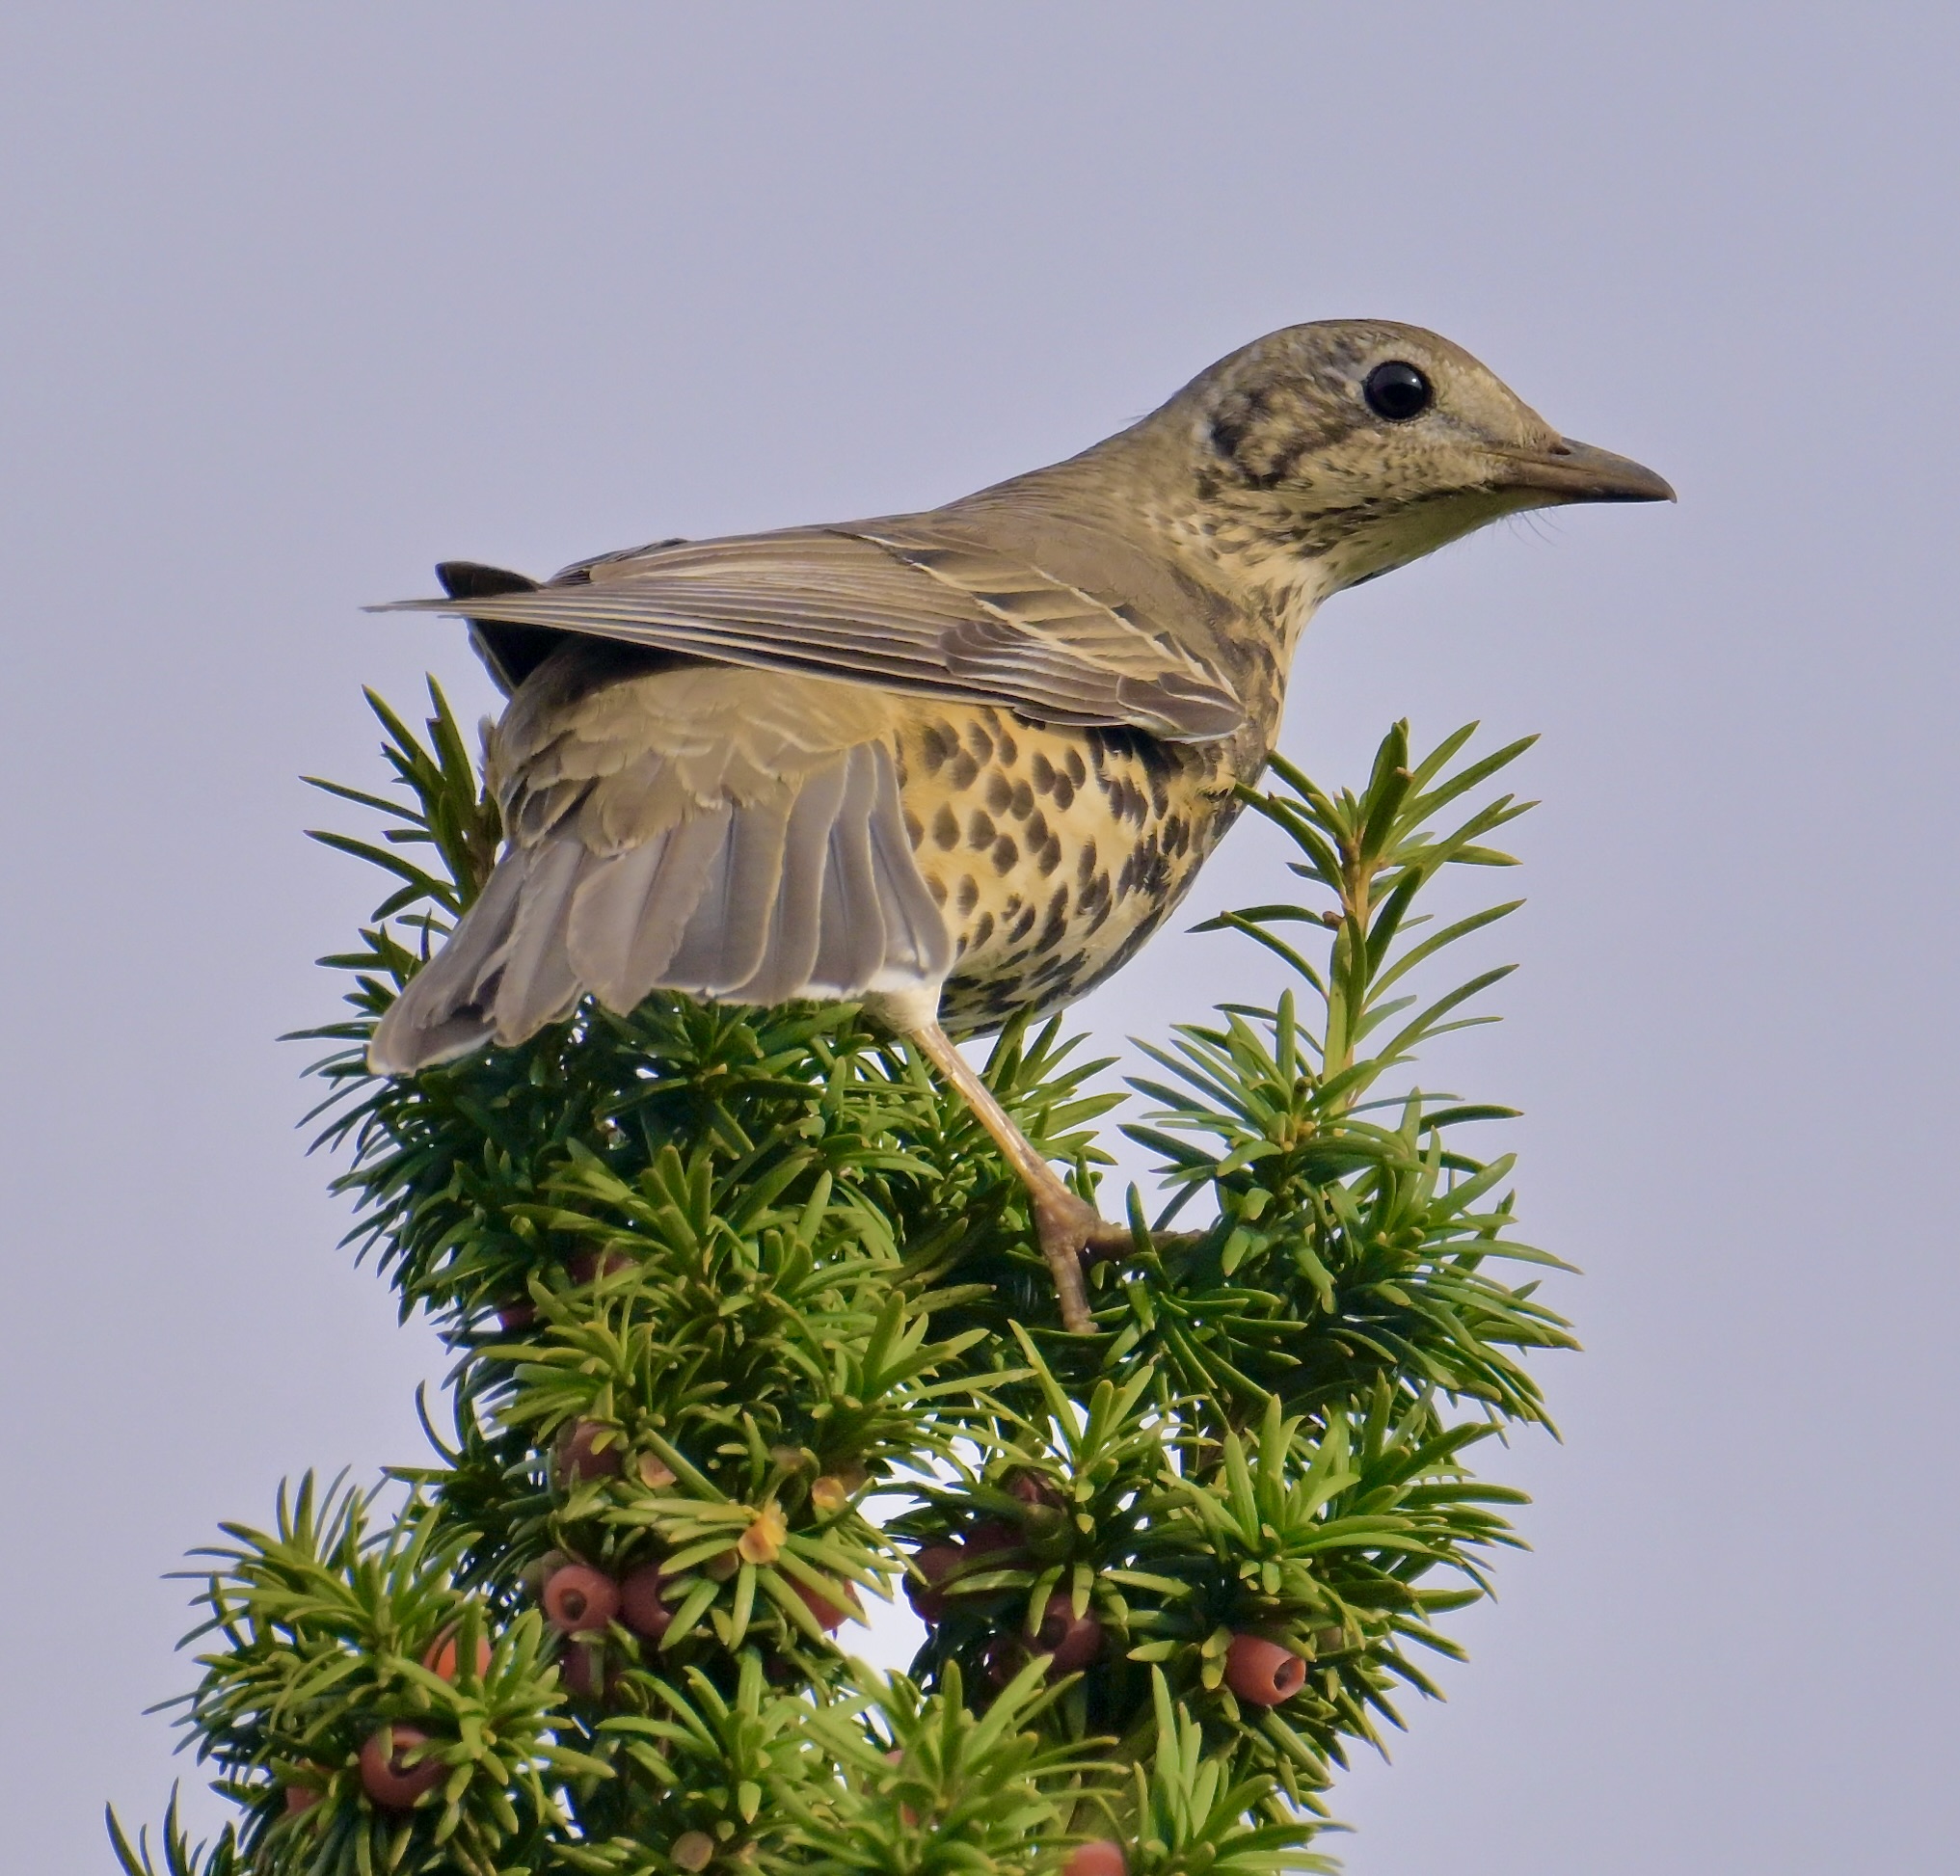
(898,604)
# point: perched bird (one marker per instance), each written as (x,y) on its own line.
(957,763)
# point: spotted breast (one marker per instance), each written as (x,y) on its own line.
(1052,853)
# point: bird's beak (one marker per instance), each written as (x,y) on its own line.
(1576,471)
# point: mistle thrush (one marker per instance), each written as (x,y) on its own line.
(958,764)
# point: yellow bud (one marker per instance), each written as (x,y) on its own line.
(692,1850)
(763,1542)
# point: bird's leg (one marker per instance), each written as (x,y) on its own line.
(1066,1225)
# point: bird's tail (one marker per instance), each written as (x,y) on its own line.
(509,652)
(808,890)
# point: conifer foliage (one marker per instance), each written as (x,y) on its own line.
(751,1331)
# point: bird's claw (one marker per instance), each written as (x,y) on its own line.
(1070,1230)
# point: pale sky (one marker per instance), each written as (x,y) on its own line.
(297,301)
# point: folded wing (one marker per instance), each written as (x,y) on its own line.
(901,605)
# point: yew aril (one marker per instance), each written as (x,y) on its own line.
(1262,1673)
(993,1534)
(1099,1857)
(1068,1640)
(579,1598)
(441,1656)
(831,1613)
(589,1266)
(386,1774)
(580,1455)
(935,1563)
(642,1605)
(1031,1490)
(1002,1658)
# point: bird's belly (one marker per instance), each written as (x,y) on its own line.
(1053,852)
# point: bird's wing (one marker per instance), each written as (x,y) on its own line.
(898,604)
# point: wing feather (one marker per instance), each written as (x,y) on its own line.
(903,603)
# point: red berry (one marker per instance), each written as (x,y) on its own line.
(936,1564)
(1262,1673)
(1002,1658)
(392,1783)
(579,1598)
(1031,1490)
(992,1534)
(512,1317)
(1068,1640)
(1099,1857)
(589,1266)
(440,1657)
(641,1606)
(831,1615)
(301,1798)
(578,1456)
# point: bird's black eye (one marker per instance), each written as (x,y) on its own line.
(1397,391)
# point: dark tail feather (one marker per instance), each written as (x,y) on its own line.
(471,579)
(509,652)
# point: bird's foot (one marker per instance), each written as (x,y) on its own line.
(1071,1230)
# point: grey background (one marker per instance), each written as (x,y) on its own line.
(296,301)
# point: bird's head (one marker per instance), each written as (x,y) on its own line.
(1348,448)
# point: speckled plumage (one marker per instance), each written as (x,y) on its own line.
(1053,854)
(958,764)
